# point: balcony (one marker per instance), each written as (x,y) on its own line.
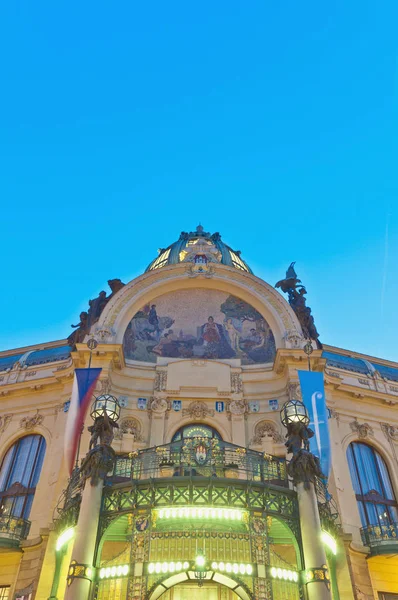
(13,530)
(200,457)
(381,539)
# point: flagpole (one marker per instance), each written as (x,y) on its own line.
(91,345)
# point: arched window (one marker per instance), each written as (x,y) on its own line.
(372,485)
(190,431)
(19,474)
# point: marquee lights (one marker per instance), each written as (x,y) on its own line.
(165,567)
(329,541)
(232,568)
(231,514)
(287,575)
(175,567)
(120,571)
(64,538)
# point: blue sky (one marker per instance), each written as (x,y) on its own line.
(274,123)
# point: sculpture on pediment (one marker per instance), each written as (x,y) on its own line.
(81,330)
(292,286)
(88,318)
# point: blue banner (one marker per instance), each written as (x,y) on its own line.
(313,392)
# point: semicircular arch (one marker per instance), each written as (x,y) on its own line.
(162,585)
(140,291)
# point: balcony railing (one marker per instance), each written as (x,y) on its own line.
(13,529)
(381,539)
(201,457)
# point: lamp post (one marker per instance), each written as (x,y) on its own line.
(99,460)
(304,468)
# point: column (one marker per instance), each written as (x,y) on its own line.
(97,463)
(316,574)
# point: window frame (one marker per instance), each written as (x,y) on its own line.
(4,588)
(17,489)
(372,498)
(215,433)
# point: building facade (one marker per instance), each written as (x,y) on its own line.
(201,355)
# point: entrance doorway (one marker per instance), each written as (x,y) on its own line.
(191,591)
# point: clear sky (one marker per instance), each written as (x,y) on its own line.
(275,123)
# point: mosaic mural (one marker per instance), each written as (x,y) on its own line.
(199,324)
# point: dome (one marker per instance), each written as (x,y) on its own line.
(199,242)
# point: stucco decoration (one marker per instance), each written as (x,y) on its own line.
(362,429)
(30,422)
(199,323)
(265,429)
(159,405)
(197,410)
(130,426)
(4,422)
(390,431)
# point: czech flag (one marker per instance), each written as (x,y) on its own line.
(83,387)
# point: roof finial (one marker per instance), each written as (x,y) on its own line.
(199,229)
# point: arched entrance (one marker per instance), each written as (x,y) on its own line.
(184,586)
(190,591)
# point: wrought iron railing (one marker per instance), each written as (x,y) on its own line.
(200,457)
(380,537)
(13,528)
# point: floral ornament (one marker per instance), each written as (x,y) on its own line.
(133,454)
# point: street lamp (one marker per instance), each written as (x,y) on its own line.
(294,411)
(200,568)
(106,404)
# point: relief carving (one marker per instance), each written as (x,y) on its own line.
(160,381)
(238,407)
(4,422)
(362,429)
(294,391)
(197,410)
(265,429)
(31,422)
(390,431)
(236,383)
(130,426)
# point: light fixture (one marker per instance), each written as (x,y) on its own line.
(329,541)
(200,571)
(114,571)
(285,574)
(106,403)
(294,411)
(165,567)
(64,538)
(242,569)
(191,512)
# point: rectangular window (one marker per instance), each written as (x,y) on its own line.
(4,592)
(384,596)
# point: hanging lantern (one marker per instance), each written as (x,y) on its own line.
(106,403)
(200,569)
(294,411)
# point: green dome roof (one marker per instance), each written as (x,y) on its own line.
(177,252)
